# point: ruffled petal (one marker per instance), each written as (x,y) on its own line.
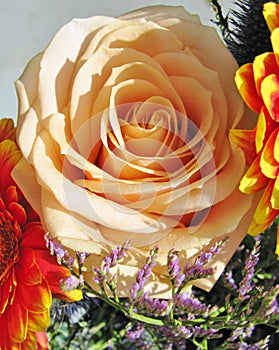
(245,83)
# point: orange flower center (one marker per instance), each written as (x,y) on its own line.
(9,248)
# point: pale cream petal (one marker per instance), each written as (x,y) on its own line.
(160,13)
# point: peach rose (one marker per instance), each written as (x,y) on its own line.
(124,128)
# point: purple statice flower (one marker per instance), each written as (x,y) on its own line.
(134,333)
(143,274)
(174,270)
(193,272)
(205,257)
(62,255)
(102,273)
(186,303)
(81,256)
(153,306)
(269,308)
(71,283)
(246,284)
(229,280)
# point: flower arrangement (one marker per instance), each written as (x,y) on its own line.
(141,158)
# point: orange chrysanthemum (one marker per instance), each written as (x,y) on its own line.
(258,84)
(29,275)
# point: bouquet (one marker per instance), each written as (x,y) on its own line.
(139,185)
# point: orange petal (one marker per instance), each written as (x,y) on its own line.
(38,322)
(33,236)
(7,130)
(245,83)
(264,214)
(42,341)
(54,273)
(270,94)
(268,163)
(36,341)
(36,298)
(264,65)
(245,139)
(265,126)
(11,194)
(253,180)
(271,15)
(17,316)
(28,271)
(9,156)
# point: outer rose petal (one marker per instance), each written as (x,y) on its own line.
(271,15)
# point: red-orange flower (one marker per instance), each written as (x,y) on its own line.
(29,275)
(258,83)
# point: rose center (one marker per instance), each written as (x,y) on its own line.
(8,247)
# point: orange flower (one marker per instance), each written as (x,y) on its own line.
(28,273)
(258,83)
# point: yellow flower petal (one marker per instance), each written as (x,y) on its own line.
(264,65)
(245,83)
(268,163)
(264,214)
(253,180)
(275,195)
(270,94)
(271,15)
(264,128)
